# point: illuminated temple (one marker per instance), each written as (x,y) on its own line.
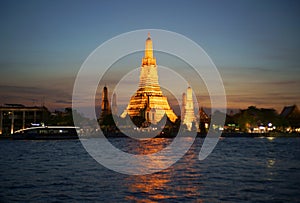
(187,114)
(148,101)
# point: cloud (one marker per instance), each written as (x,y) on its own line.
(266,100)
(64,102)
(35,96)
(275,50)
(290,82)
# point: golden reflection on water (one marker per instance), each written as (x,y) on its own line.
(270,138)
(270,163)
(149,185)
(181,179)
(147,146)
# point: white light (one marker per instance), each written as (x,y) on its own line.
(270,124)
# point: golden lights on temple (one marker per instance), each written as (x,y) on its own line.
(148,101)
(188,115)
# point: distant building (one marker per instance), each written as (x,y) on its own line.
(183,106)
(189,115)
(204,121)
(292,116)
(17,116)
(114,106)
(257,120)
(105,107)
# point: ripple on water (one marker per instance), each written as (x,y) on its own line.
(238,170)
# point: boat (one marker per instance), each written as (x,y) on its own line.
(47,133)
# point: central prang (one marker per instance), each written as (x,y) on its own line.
(148,102)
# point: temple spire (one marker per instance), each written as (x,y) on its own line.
(105,107)
(149,101)
(189,116)
(148,59)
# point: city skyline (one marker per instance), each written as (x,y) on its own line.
(254,45)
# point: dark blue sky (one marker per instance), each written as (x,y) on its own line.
(254,44)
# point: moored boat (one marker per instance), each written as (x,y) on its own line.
(47,133)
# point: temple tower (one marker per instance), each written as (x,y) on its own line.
(183,106)
(203,121)
(114,107)
(149,96)
(189,115)
(105,107)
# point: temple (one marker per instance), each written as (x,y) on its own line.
(114,107)
(148,101)
(105,107)
(188,115)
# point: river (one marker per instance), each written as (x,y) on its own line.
(238,170)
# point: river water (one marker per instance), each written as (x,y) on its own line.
(238,170)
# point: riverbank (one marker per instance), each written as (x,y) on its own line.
(202,135)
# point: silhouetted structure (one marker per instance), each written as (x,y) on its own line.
(105,107)
(258,120)
(62,118)
(204,121)
(17,116)
(183,106)
(114,107)
(292,116)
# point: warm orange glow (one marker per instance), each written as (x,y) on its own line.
(189,115)
(148,100)
(151,184)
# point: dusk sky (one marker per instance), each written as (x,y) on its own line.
(254,44)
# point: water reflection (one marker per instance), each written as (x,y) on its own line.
(142,147)
(270,163)
(271,138)
(179,182)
